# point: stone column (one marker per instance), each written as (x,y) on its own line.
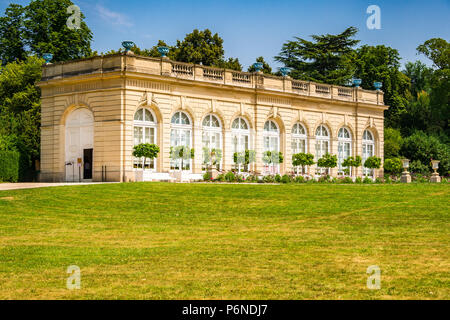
(227,152)
(197,145)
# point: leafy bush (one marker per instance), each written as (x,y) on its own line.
(378,180)
(268,179)
(367,180)
(146,151)
(230,177)
(423,147)
(393,166)
(347,180)
(207,176)
(286,179)
(299,179)
(221,178)
(420,178)
(239,178)
(277,178)
(417,167)
(324,179)
(358,180)
(9,166)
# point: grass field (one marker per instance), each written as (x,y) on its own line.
(211,241)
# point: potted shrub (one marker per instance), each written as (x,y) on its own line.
(303,160)
(372,163)
(145,151)
(211,158)
(328,161)
(351,162)
(272,158)
(182,153)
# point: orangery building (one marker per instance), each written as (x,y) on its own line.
(94,111)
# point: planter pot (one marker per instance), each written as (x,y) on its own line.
(181,176)
(139,175)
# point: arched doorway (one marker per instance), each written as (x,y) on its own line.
(79,145)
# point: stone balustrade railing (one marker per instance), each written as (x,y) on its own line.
(167,68)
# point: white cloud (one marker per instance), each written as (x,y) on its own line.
(112,17)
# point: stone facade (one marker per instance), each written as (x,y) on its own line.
(114,87)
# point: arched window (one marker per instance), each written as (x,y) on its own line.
(271,138)
(322,145)
(298,139)
(145,126)
(180,135)
(211,139)
(368,150)
(240,137)
(344,150)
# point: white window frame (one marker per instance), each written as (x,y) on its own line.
(240,135)
(138,163)
(296,140)
(321,140)
(270,135)
(344,141)
(367,146)
(181,129)
(209,131)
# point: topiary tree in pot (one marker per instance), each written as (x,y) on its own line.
(328,161)
(372,163)
(303,160)
(145,151)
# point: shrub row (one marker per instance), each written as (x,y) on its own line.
(9,166)
(232,177)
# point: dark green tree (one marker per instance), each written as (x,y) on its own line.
(382,63)
(327,59)
(266,67)
(438,51)
(46,31)
(200,47)
(231,63)
(420,76)
(392,143)
(20,109)
(12,31)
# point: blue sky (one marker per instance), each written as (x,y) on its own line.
(259,28)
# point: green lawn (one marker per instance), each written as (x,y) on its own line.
(217,241)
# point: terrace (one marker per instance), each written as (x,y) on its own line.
(166,68)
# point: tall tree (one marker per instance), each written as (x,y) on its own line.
(382,63)
(438,51)
(266,67)
(328,58)
(420,76)
(201,47)
(46,30)
(20,108)
(12,44)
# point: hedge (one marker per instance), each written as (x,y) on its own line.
(9,166)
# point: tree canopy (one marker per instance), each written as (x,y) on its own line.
(327,59)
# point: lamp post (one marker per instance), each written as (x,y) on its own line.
(406,177)
(435,175)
